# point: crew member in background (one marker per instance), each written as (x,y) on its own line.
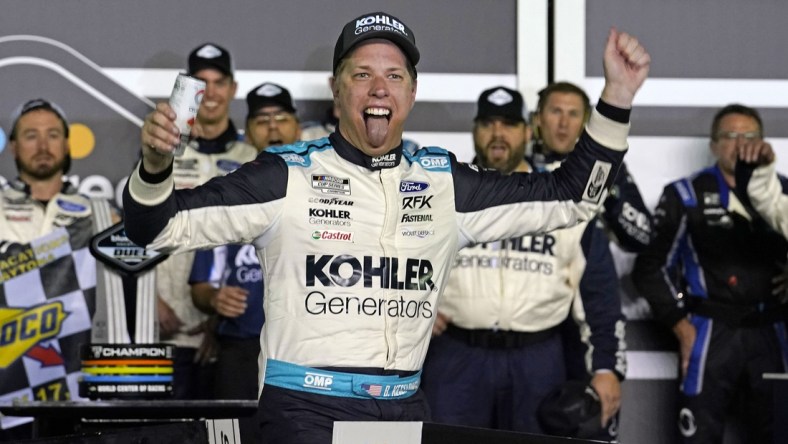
(708,275)
(498,351)
(227,281)
(271,118)
(36,203)
(218,152)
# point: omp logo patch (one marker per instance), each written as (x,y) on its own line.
(318,381)
(434,162)
(22,330)
(596,182)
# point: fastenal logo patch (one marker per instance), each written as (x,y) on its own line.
(333,235)
(596,181)
(22,330)
(406,186)
(331,184)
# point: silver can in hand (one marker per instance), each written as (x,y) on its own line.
(184,101)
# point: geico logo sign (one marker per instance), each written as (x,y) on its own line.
(407,186)
(246,255)
(332,235)
(416,202)
(247,275)
(416,218)
(434,162)
(317,303)
(318,381)
(363,24)
(332,214)
(345,270)
(331,201)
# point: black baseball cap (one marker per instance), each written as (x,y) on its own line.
(210,55)
(376,25)
(501,101)
(269,94)
(36,104)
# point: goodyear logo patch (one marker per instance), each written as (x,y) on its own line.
(21,331)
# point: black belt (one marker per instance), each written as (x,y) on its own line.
(738,315)
(498,339)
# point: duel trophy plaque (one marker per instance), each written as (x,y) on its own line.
(121,363)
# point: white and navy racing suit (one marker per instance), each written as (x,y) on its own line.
(355,252)
(626,217)
(210,158)
(712,260)
(502,353)
(23,218)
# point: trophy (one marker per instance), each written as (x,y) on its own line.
(119,362)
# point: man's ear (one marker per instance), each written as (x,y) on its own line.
(334,85)
(413,94)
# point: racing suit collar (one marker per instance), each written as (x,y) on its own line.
(354,155)
(220,144)
(20,185)
(542,157)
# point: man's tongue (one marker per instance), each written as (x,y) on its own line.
(377,127)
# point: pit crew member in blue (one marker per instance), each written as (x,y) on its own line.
(497,350)
(356,236)
(708,275)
